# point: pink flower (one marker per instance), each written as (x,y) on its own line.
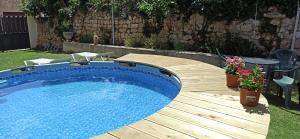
(236,64)
(232,64)
(229,60)
(264,81)
(236,58)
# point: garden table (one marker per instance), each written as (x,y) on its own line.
(89,56)
(261,61)
(40,61)
(267,63)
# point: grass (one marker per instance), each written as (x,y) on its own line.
(284,123)
(12,59)
(16,58)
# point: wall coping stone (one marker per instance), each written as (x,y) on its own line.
(74,47)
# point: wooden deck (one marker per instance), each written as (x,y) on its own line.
(205,107)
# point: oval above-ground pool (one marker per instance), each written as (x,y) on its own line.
(70,100)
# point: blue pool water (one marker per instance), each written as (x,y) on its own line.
(88,103)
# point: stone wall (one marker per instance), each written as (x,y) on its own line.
(45,35)
(101,24)
(9,6)
(118,51)
(175,28)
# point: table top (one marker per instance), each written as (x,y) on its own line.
(262,61)
(87,54)
(41,61)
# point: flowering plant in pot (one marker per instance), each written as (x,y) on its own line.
(232,75)
(251,83)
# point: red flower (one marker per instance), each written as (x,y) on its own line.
(255,80)
(240,70)
(246,73)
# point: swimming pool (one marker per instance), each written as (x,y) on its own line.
(70,100)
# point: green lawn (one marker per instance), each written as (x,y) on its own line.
(284,123)
(14,59)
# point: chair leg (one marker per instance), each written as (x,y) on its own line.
(280,92)
(269,77)
(287,93)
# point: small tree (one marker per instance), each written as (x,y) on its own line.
(156,8)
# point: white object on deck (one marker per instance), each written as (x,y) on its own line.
(88,55)
(40,61)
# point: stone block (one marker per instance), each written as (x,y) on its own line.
(134,25)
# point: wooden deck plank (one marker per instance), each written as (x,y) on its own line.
(212,125)
(205,107)
(220,117)
(187,128)
(105,136)
(216,100)
(230,97)
(131,133)
(222,109)
(159,131)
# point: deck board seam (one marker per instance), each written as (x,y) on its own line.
(211,119)
(184,95)
(213,130)
(210,102)
(170,128)
(113,135)
(142,131)
(218,112)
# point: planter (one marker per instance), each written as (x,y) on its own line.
(68,35)
(249,98)
(232,80)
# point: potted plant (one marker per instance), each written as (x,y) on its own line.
(232,75)
(251,83)
(67,30)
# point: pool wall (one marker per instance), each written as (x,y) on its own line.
(52,71)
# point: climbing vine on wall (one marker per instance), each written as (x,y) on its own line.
(155,11)
(214,9)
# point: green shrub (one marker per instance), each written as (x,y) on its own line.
(105,36)
(134,41)
(153,42)
(212,46)
(236,45)
(168,45)
(179,46)
(86,38)
(232,45)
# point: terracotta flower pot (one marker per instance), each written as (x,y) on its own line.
(249,98)
(232,80)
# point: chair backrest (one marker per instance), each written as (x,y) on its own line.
(222,57)
(286,57)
